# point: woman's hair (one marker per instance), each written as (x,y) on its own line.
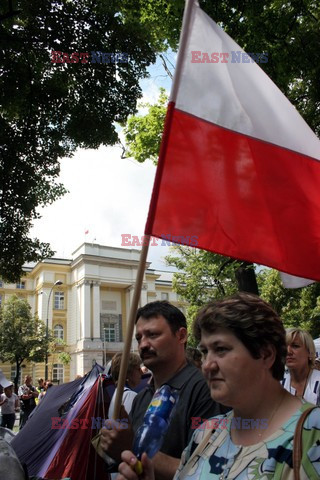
(134,362)
(251,320)
(306,340)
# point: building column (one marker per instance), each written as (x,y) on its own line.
(128,299)
(96,309)
(85,310)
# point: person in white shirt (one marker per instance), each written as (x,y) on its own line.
(9,403)
(301,378)
(133,379)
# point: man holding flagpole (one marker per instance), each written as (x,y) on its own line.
(161,333)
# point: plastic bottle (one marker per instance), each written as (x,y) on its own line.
(149,436)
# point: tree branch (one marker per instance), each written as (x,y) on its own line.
(165,66)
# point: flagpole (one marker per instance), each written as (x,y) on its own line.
(130,326)
(187,15)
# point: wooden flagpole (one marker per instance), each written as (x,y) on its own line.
(130,326)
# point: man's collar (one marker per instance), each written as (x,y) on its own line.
(178,380)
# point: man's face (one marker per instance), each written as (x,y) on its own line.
(156,342)
(28,380)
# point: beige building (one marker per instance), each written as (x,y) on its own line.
(86,301)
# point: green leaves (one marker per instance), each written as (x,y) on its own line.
(143,133)
(22,336)
(48,109)
(296,307)
(205,276)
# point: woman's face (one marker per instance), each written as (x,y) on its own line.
(297,353)
(229,368)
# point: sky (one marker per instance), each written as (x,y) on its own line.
(107,196)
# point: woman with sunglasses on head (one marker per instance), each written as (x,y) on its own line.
(243,344)
(301,378)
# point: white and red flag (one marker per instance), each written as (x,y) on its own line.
(239,168)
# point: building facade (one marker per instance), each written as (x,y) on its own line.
(86,301)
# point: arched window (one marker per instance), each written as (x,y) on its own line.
(58,332)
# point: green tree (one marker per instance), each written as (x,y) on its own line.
(202,276)
(22,335)
(298,307)
(143,132)
(47,110)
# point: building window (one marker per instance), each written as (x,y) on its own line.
(57,372)
(59,300)
(110,332)
(21,285)
(58,332)
(164,296)
(1,283)
(110,327)
(13,374)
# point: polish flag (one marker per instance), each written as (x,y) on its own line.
(239,169)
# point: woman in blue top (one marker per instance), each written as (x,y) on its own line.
(243,344)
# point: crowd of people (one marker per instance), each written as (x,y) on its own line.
(244,350)
(25,402)
(241,392)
